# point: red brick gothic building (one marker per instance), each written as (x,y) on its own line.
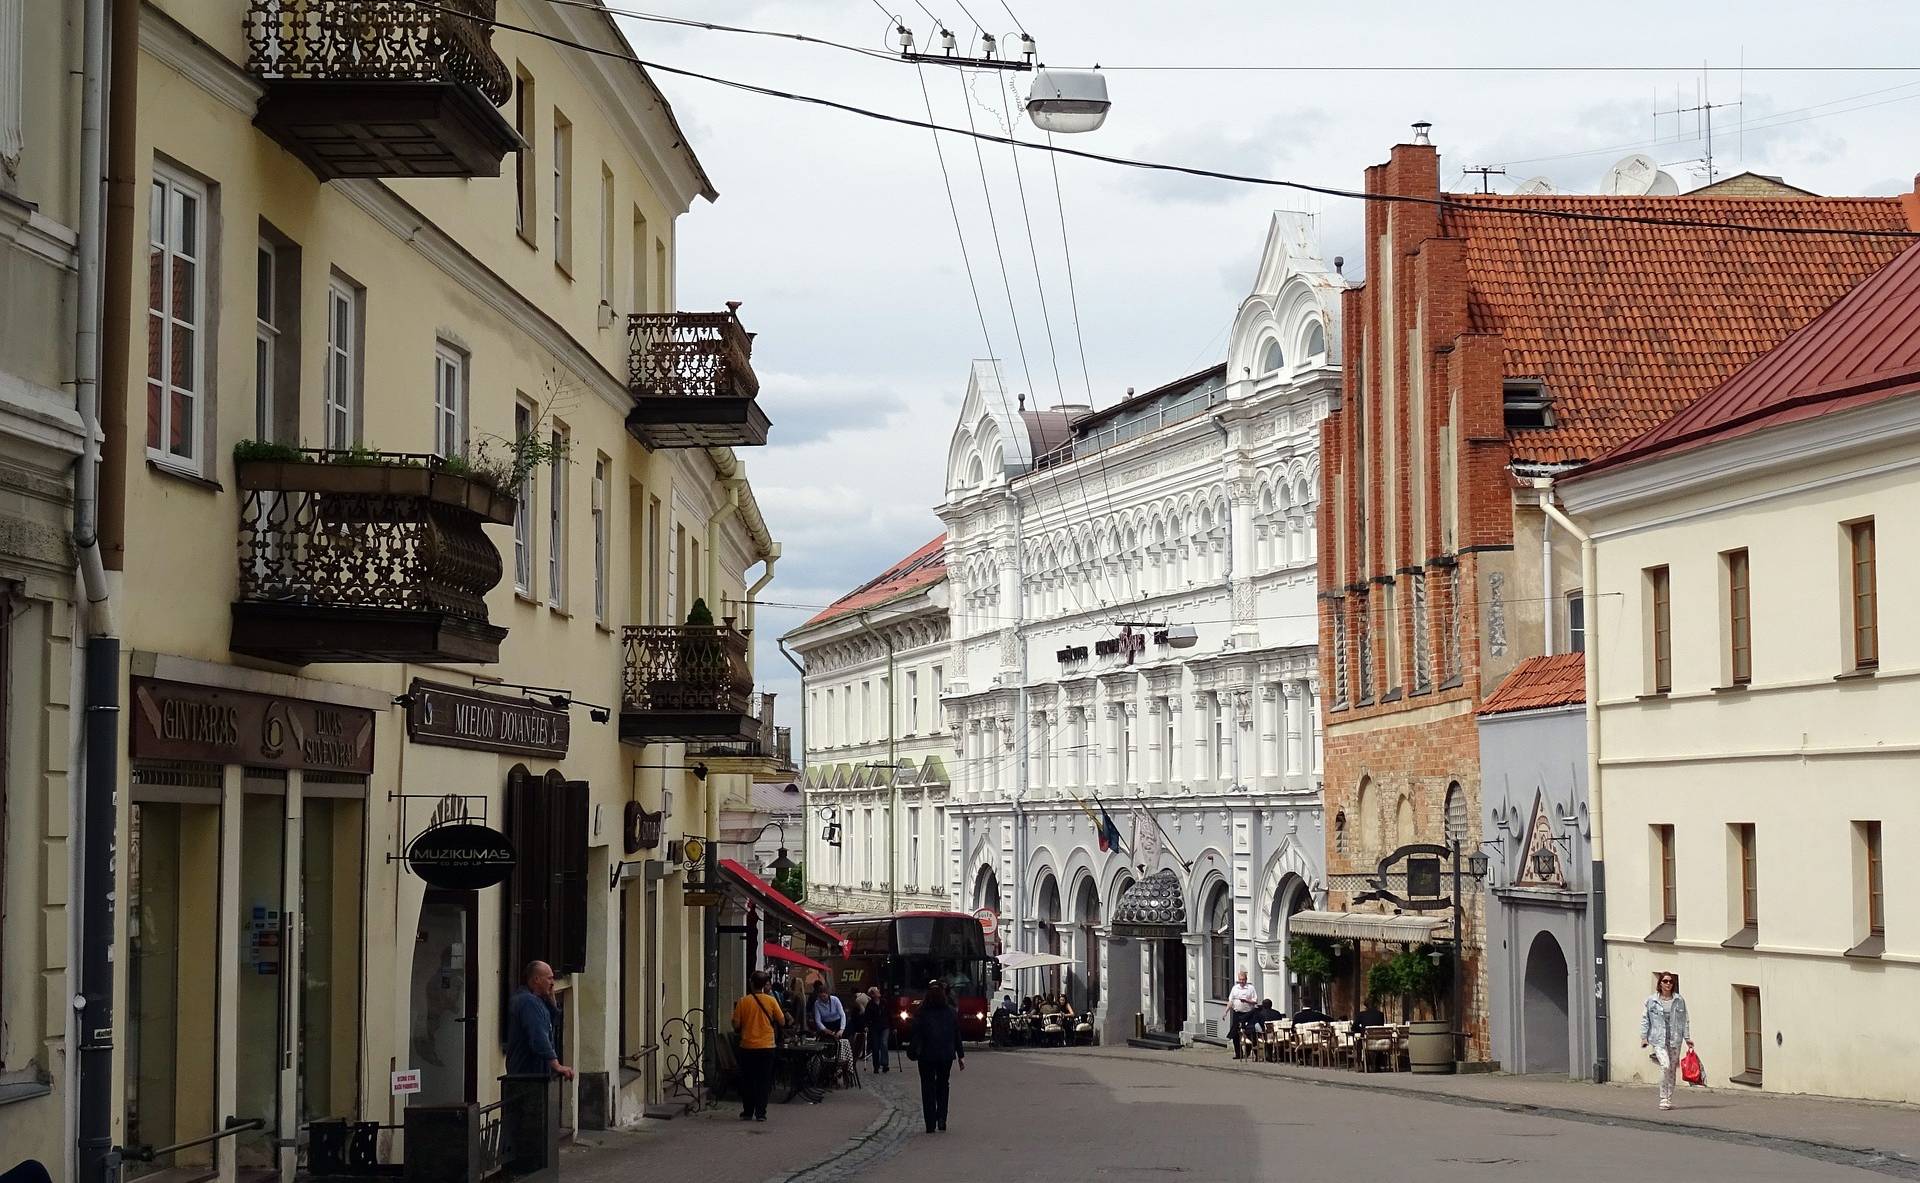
(1494,343)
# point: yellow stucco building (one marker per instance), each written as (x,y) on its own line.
(413,475)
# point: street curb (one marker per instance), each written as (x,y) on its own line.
(1885,1162)
(851,1151)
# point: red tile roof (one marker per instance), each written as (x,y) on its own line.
(1626,323)
(1559,680)
(1864,349)
(924,566)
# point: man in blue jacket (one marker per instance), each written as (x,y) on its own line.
(531,1014)
(935,1044)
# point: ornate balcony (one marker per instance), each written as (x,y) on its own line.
(365,557)
(382,88)
(687,682)
(692,379)
(768,755)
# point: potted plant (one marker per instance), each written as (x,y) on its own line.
(1422,981)
(1311,959)
(365,472)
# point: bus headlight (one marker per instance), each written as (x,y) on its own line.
(903,1014)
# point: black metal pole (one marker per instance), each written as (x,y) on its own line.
(710,995)
(1459,965)
(98,1163)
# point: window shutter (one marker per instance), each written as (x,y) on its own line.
(530,931)
(570,816)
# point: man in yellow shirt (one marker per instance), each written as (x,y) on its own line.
(754,1020)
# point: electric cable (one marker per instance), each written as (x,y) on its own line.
(1441,202)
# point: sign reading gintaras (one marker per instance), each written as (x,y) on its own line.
(178,721)
(458,717)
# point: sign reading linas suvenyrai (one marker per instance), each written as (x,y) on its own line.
(460,717)
(461,856)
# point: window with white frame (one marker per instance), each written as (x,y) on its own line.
(600,465)
(449,400)
(606,235)
(523,517)
(266,338)
(563,192)
(913,702)
(177,348)
(557,522)
(343,364)
(913,846)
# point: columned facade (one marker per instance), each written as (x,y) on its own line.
(1134,639)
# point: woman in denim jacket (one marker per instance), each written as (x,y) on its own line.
(1664,1027)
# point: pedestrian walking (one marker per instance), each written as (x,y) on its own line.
(1240,1003)
(531,1021)
(879,1028)
(935,1044)
(755,1019)
(1664,1027)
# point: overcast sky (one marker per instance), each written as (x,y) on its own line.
(835,233)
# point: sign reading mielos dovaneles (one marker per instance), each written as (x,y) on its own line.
(460,717)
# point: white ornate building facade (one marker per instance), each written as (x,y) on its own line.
(877,748)
(1133,597)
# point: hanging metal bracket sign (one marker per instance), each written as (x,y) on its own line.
(459,717)
(1423,892)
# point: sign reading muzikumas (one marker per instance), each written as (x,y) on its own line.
(461,717)
(461,856)
(214,725)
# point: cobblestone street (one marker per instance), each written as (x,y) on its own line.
(1117,1114)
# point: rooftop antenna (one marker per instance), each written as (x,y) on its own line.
(1702,111)
(1486,175)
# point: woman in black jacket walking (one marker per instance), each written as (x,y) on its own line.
(935,1044)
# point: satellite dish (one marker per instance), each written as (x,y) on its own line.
(1535,185)
(1664,185)
(1634,175)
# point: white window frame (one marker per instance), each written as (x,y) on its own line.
(266,336)
(167,192)
(449,400)
(600,466)
(523,533)
(606,235)
(563,192)
(913,702)
(340,392)
(557,523)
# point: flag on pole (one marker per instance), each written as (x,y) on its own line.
(1109,833)
(1146,839)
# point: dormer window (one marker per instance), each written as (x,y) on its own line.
(1526,406)
(1271,358)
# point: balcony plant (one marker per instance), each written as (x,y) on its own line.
(367,473)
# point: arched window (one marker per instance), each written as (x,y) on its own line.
(1272,358)
(1340,832)
(1368,808)
(1316,340)
(974,472)
(1403,821)
(1456,814)
(1220,942)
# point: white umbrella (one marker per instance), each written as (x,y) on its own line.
(1019,959)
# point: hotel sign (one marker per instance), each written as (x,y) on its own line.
(178,721)
(457,717)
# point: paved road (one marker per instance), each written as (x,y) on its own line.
(1067,1115)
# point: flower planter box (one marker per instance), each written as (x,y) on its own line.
(353,479)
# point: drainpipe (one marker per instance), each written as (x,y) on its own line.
(1546,577)
(93,993)
(893,767)
(1597,890)
(781,644)
(753,593)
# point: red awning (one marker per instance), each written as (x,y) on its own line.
(782,953)
(780,905)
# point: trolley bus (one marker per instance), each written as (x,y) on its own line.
(901,952)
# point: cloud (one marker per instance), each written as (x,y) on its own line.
(810,409)
(1260,149)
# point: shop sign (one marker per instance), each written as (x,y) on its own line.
(458,717)
(642,828)
(405,1081)
(461,857)
(212,725)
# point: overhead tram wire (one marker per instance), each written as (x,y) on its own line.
(1565,215)
(716,27)
(966,260)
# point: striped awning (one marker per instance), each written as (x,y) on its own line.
(1364,926)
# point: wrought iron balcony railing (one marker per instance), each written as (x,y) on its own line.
(692,379)
(687,682)
(380,558)
(382,88)
(377,40)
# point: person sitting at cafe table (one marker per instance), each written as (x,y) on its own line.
(1308,1014)
(1369,1016)
(826,1014)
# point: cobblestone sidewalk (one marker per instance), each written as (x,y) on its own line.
(897,1093)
